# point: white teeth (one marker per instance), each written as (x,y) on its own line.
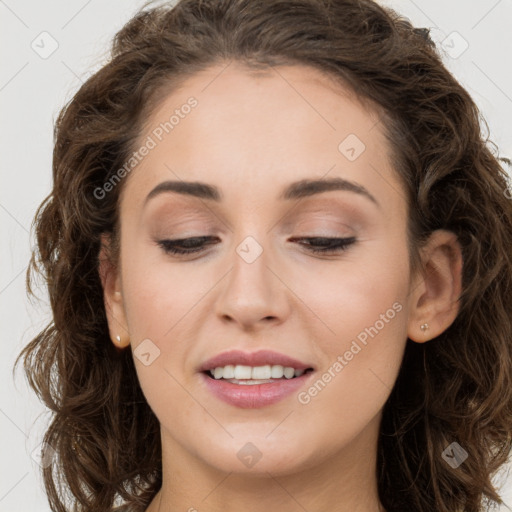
(261,372)
(228,372)
(289,372)
(277,371)
(242,372)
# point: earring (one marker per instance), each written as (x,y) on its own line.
(121,343)
(424,327)
(119,340)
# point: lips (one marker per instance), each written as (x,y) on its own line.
(257,395)
(260,358)
(251,394)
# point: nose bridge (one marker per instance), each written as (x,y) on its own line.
(252,293)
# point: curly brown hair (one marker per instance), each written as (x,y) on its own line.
(455,388)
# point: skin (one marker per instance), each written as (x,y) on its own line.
(251,135)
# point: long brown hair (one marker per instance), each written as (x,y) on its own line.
(456,388)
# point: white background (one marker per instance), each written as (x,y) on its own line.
(32,91)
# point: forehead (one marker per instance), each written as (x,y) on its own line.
(255,129)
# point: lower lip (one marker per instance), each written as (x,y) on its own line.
(252,396)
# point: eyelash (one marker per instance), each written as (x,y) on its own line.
(333,245)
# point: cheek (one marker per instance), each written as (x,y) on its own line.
(362,332)
(351,294)
(158,293)
(159,303)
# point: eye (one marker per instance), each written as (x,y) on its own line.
(185,245)
(323,245)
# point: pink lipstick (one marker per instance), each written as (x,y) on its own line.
(252,380)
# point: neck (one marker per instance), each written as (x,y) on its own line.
(344,481)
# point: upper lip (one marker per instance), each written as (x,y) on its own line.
(259,358)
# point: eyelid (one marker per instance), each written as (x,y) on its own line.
(334,210)
(320,221)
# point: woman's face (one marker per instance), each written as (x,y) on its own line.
(254,141)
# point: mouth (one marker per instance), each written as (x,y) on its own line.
(254,393)
(253,380)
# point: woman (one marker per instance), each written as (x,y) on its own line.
(278,256)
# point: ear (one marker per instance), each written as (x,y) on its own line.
(110,276)
(435,292)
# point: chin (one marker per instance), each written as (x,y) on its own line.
(258,456)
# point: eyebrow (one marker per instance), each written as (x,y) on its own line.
(295,190)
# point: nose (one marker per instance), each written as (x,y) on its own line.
(253,294)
